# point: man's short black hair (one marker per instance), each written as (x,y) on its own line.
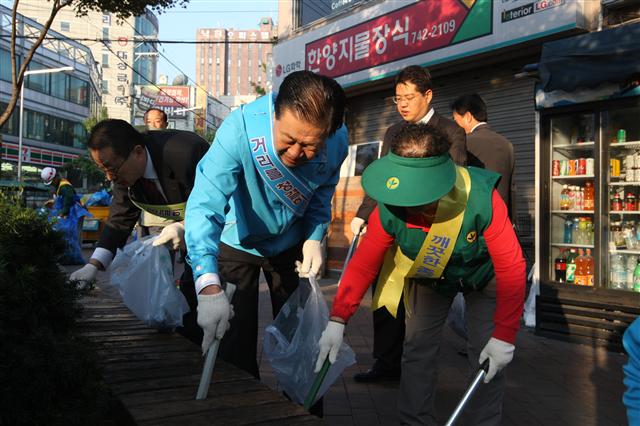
(118,135)
(314,98)
(417,75)
(164,114)
(472,103)
(419,141)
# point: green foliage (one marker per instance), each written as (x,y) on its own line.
(93,120)
(124,8)
(48,372)
(208,135)
(87,168)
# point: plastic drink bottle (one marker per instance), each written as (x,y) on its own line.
(580,277)
(564,198)
(589,195)
(571,266)
(561,267)
(589,266)
(636,278)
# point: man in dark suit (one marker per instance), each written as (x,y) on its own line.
(413,95)
(152,172)
(493,150)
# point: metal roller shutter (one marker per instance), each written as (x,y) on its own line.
(511,113)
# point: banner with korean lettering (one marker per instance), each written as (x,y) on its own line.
(421,27)
(173,100)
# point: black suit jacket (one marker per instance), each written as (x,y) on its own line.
(175,155)
(495,153)
(453,132)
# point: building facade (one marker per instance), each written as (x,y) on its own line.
(55,104)
(125,50)
(233,62)
(471,46)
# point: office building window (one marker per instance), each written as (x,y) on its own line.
(105,33)
(105,60)
(105,87)
(239,63)
(65,26)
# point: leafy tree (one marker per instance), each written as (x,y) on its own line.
(207,135)
(93,120)
(121,8)
(260,90)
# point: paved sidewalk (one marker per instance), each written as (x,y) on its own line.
(550,382)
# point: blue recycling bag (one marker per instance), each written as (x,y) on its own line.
(70,230)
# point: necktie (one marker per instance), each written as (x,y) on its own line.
(151,192)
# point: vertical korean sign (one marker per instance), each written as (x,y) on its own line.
(419,28)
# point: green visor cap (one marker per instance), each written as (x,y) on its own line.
(409,182)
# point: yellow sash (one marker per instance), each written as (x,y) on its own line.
(435,251)
(175,212)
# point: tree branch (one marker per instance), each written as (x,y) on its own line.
(18,77)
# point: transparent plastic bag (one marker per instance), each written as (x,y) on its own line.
(456,319)
(144,276)
(529,313)
(291,343)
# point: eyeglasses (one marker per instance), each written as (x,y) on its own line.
(114,171)
(401,99)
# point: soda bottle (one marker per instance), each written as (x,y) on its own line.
(580,277)
(572,197)
(589,196)
(636,277)
(630,204)
(575,232)
(561,267)
(618,272)
(571,266)
(579,198)
(568,231)
(616,204)
(564,198)
(589,267)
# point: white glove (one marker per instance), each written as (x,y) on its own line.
(312,259)
(358,226)
(172,235)
(214,313)
(330,343)
(85,274)
(500,354)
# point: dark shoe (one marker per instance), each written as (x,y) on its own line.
(377,375)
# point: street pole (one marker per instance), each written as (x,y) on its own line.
(20,131)
(26,74)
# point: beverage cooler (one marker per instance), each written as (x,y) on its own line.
(589,236)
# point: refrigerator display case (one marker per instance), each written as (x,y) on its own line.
(589,249)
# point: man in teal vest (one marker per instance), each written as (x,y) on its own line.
(439,229)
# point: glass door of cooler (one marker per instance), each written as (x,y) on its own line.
(620,135)
(572,199)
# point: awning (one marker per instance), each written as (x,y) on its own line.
(589,60)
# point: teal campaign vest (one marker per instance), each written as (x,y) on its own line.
(470,266)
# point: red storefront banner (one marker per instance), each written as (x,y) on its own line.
(421,27)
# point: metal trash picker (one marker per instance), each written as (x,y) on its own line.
(317,382)
(482,371)
(212,353)
(352,247)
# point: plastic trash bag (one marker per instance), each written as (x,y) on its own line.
(456,319)
(291,343)
(70,229)
(144,276)
(99,198)
(529,314)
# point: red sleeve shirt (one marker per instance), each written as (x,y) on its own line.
(504,249)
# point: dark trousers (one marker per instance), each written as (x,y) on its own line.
(427,312)
(388,336)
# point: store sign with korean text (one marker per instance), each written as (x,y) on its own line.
(383,38)
(414,29)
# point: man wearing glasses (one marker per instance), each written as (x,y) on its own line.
(152,172)
(413,95)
